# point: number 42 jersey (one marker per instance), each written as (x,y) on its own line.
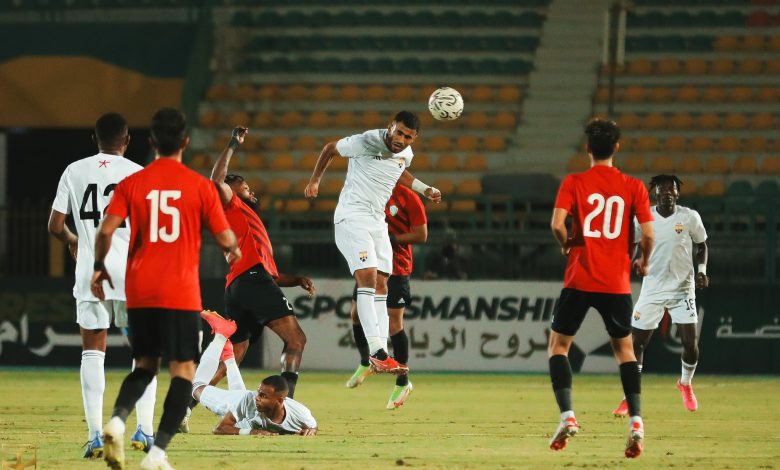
(602,203)
(84,190)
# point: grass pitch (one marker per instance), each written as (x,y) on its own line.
(450,421)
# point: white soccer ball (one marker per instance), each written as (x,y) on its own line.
(445,104)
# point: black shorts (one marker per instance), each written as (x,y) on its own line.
(253,300)
(398,292)
(615,310)
(162,332)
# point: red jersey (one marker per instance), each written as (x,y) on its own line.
(403,211)
(252,239)
(602,203)
(167,204)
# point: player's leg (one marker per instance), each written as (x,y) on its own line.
(235,381)
(179,341)
(398,295)
(211,357)
(93,319)
(290,332)
(380,307)
(684,315)
(567,318)
(363,370)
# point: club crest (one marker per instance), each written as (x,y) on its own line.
(363,255)
(678,227)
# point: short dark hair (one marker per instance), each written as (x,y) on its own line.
(278,382)
(233,178)
(409,119)
(602,137)
(168,130)
(110,128)
(658,180)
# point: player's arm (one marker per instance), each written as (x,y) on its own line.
(287,280)
(308,432)
(419,234)
(559,230)
(219,172)
(407,179)
(642,263)
(102,244)
(702,281)
(226,240)
(61,232)
(227,427)
(328,153)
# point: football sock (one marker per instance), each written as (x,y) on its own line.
(144,408)
(687,373)
(174,410)
(292,380)
(382,318)
(93,384)
(131,390)
(209,361)
(361,343)
(639,366)
(235,381)
(560,375)
(632,386)
(368,318)
(401,353)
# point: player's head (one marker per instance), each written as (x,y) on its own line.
(168,132)
(240,188)
(603,137)
(271,393)
(111,132)
(666,190)
(402,131)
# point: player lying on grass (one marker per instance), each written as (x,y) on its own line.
(268,411)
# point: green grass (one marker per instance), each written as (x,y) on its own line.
(450,421)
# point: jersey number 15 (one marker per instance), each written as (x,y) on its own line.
(159,204)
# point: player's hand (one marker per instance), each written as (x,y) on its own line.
(262,432)
(308,432)
(641,267)
(233,255)
(96,285)
(702,281)
(307,284)
(237,137)
(565,250)
(433,194)
(312,190)
(73,247)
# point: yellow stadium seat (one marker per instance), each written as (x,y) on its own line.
(244,92)
(494,143)
(633,163)
(476,120)
(252,141)
(689,188)
(463,206)
(775,147)
(675,144)
(263,120)
(762,121)
(298,188)
(332,186)
(660,94)
(402,93)
(717,164)
(427,121)
(432,207)
(210,118)
(714,94)
(438,143)
(745,164)
(667,67)
(200,161)
(318,120)
(283,162)
(640,67)
(729,144)
(290,119)
(654,121)
(374,93)
(771,165)
(467,143)
(681,120)
(307,162)
(688,94)
(297,92)
(323,92)
(421,163)
(602,94)
(772,66)
(756,143)
(269,92)
(508,94)
(338,164)
(277,142)
(628,143)
(469,187)
(690,164)
(629,121)
(577,163)
(296,206)
(662,164)
(218,92)
(308,143)
(324,205)
(695,66)
(237,118)
(373,119)
(726,44)
(254,161)
(505,120)
(481,93)
(750,67)
(708,121)
(475,163)
(735,121)
(768,94)
(701,143)
(344,119)
(278,186)
(753,43)
(741,94)
(424,92)
(220,142)
(647,143)
(712,188)
(448,163)
(635,94)
(446,186)
(774,43)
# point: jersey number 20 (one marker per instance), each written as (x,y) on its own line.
(613,208)
(159,202)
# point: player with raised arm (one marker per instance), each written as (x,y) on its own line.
(602,203)
(168,205)
(406,220)
(269,411)
(87,184)
(378,160)
(670,285)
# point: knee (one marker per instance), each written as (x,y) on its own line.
(296,343)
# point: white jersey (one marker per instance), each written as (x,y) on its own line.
(296,416)
(85,189)
(372,174)
(670,275)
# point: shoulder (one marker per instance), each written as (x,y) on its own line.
(688,212)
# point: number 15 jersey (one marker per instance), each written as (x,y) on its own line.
(602,203)
(168,204)
(84,190)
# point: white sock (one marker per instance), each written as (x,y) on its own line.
(635,419)
(567,414)
(117,423)
(144,408)
(687,372)
(155,453)
(368,318)
(382,318)
(235,381)
(640,368)
(209,362)
(93,384)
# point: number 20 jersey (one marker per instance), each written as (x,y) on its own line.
(84,190)
(602,203)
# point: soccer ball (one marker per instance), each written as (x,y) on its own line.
(445,104)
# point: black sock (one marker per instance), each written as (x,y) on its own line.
(381,354)
(560,374)
(361,342)
(632,386)
(400,344)
(292,380)
(174,410)
(132,388)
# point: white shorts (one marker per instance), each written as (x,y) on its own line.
(219,401)
(97,315)
(365,246)
(648,313)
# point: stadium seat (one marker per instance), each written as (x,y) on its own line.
(633,164)
(629,121)
(402,93)
(681,120)
(640,67)
(432,207)
(252,141)
(338,164)
(768,94)
(375,93)
(660,94)
(735,121)
(745,164)
(283,162)
(344,119)
(494,143)
(296,206)
(350,93)
(448,163)
(508,94)
(689,188)
(243,92)
(729,144)
(470,187)
(200,161)
(421,163)
(662,164)
(667,67)
(712,188)
(278,186)
(647,143)
(772,66)
(324,205)
(269,92)
(308,143)
(762,121)
(277,142)
(439,143)
(446,186)
(577,163)
(505,120)
(690,164)
(319,120)
(770,165)
(755,144)
(475,163)
(296,92)
(741,94)
(635,94)
(254,161)
(476,120)
(424,92)
(721,67)
(695,66)
(481,93)
(290,119)
(221,141)
(218,92)
(654,121)
(688,94)
(708,121)
(237,118)
(467,143)
(210,118)
(701,143)
(717,164)
(713,94)
(323,92)
(373,119)
(307,162)
(750,67)
(675,144)
(726,44)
